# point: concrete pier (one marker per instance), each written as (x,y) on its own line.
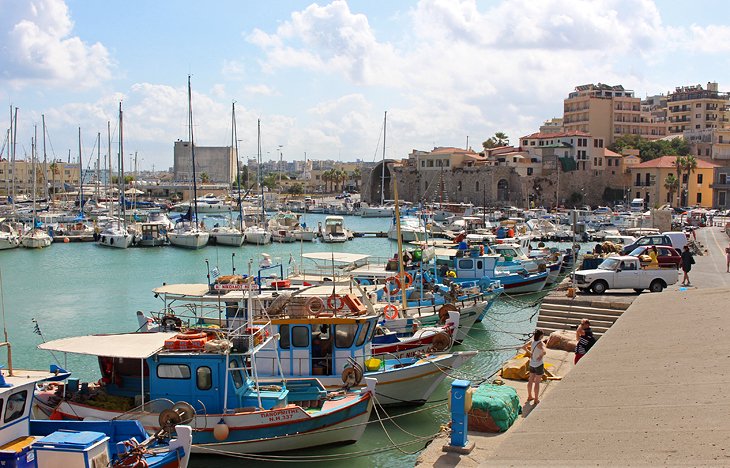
(652,391)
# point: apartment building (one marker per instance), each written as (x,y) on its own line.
(710,143)
(56,174)
(721,187)
(577,150)
(608,112)
(648,182)
(697,108)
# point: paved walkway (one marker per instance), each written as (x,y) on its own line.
(653,390)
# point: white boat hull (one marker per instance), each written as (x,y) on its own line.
(376,212)
(36,240)
(257,237)
(189,240)
(116,240)
(9,242)
(306,236)
(233,238)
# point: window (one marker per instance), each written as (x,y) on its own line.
(284,336)
(698,105)
(699,178)
(204,378)
(447,163)
(173,371)
(430,163)
(363,333)
(16,405)
(300,337)
(698,116)
(345,335)
(476,189)
(236,374)
(466,264)
(699,197)
(529,171)
(685,177)
(721,201)
(600,161)
(423,163)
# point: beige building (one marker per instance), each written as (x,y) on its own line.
(55,174)
(697,108)
(218,163)
(607,112)
(710,143)
(648,183)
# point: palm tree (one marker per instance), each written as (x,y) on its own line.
(356,174)
(671,183)
(341,178)
(678,167)
(501,139)
(326,177)
(689,166)
(54,170)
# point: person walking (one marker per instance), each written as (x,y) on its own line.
(537,366)
(585,338)
(687,262)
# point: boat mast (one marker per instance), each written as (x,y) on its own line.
(234,143)
(261,185)
(122,198)
(45,160)
(382,169)
(98,165)
(32,158)
(81,180)
(192,151)
(14,123)
(401,269)
(109,173)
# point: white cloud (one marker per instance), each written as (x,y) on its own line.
(262,90)
(38,47)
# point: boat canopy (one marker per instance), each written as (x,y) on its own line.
(337,256)
(124,345)
(197,290)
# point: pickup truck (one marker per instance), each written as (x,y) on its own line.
(624,272)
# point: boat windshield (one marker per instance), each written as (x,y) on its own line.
(608,264)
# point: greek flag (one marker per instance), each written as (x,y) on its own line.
(215,272)
(36,328)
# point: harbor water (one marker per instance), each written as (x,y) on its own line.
(82,288)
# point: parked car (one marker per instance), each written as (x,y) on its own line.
(624,272)
(678,238)
(668,257)
(654,239)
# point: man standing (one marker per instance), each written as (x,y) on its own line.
(687,262)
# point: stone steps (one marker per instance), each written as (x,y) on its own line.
(563,313)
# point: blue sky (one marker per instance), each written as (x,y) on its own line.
(320,75)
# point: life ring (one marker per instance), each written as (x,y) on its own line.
(314,305)
(335,302)
(390,312)
(444,312)
(408,279)
(392,280)
(191,336)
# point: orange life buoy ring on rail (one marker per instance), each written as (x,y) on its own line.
(390,312)
(408,279)
(395,281)
(335,302)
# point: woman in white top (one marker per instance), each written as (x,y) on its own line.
(537,366)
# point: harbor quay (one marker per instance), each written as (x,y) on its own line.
(652,391)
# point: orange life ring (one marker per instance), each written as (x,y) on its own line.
(396,282)
(314,305)
(390,312)
(191,336)
(408,279)
(335,302)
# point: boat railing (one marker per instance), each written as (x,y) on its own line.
(155,406)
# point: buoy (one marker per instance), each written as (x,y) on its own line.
(221,431)
(66,240)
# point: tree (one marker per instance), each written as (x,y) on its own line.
(54,172)
(671,183)
(295,189)
(649,150)
(356,175)
(499,139)
(678,167)
(689,166)
(204,177)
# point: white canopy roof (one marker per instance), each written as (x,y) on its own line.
(337,256)
(183,289)
(124,345)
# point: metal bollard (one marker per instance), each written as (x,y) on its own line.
(461,395)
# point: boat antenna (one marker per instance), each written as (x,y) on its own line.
(5,328)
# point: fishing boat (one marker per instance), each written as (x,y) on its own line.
(153,231)
(388,344)
(480,270)
(214,374)
(324,334)
(187,233)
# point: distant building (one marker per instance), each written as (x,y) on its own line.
(710,143)
(608,112)
(57,174)
(721,187)
(218,163)
(697,108)
(695,189)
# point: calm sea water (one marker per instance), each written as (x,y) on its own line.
(74,289)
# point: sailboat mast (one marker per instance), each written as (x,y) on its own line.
(14,122)
(32,158)
(401,269)
(81,179)
(109,173)
(382,169)
(122,198)
(192,150)
(234,143)
(45,160)
(98,164)
(261,185)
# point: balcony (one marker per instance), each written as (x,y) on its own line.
(644,184)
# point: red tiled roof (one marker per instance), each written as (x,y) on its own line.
(668,162)
(557,135)
(611,154)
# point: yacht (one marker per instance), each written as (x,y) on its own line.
(9,238)
(189,235)
(334,230)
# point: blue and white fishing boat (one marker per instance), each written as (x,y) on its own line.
(215,371)
(481,270)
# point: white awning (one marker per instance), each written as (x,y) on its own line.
(125,345)
(337,256)
(197,290)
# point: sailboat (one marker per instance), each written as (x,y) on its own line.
(36,237)
(257,233)
(231,235)
(186,232)
(116,234)
(383,210)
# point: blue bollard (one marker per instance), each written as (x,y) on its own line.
(459,416)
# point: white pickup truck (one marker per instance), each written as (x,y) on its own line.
(624,272)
